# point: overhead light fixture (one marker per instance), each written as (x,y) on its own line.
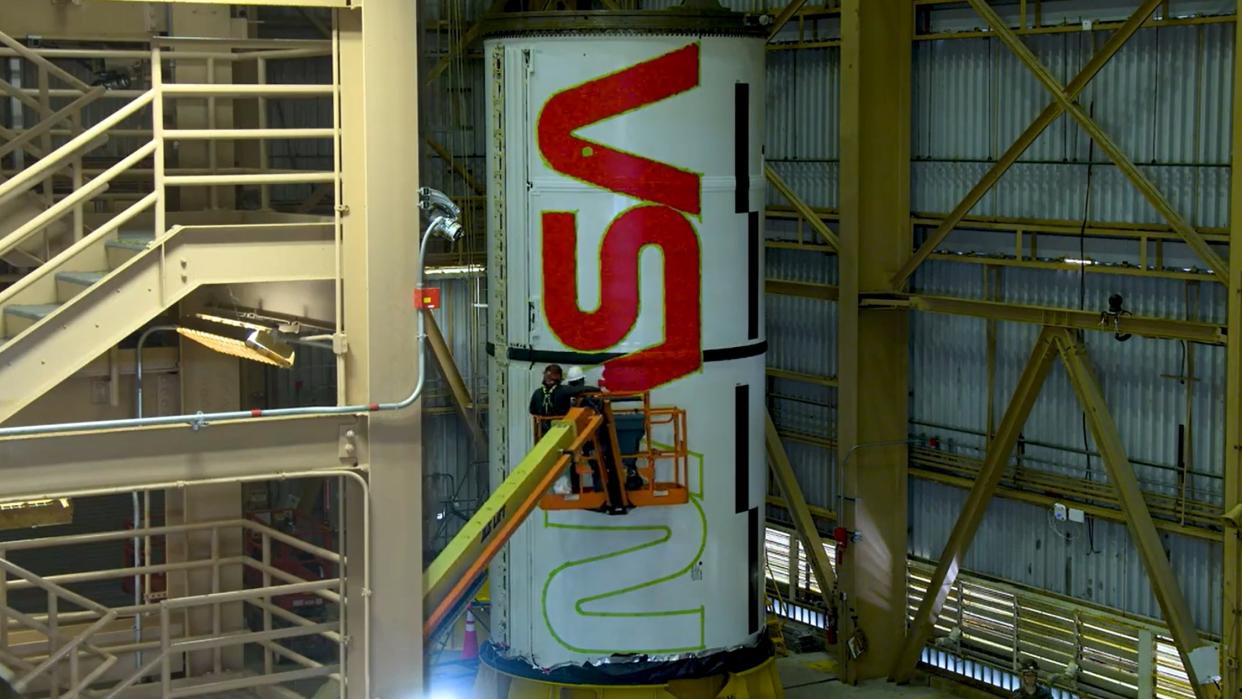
(24,514)
(1076,261)
(239,339)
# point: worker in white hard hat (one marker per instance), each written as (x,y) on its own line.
(575,376)
(584,394)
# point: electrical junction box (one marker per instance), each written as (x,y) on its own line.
(1077,516)
(427,297)
(1206,663)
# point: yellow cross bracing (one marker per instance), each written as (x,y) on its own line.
(1051,344)
(793,500)
(1063,101)
(1231,646)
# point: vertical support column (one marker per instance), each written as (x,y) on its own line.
(873,344)
(379,179)
(209,381)
(1146,665)
(1231,646)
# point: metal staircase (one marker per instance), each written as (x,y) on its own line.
(86,280)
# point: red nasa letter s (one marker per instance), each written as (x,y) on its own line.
(668,194)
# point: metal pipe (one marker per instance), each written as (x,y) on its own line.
(840,508)
(142,341)
(199,420)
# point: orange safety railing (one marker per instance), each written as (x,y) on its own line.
(606,473)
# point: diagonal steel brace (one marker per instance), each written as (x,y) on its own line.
(1141,182)
(1041,123)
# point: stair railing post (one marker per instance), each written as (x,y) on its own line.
(157,129)
(165,651)
(265,192)
(213,158)
(4,605)
(49,192)
(53,640)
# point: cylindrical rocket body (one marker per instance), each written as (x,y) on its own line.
(626,190)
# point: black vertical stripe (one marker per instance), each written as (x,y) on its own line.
(752,276)
(756,578)
(741,446)
(741,146)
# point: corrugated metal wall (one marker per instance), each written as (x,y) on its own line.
(1165,99)
(455,476)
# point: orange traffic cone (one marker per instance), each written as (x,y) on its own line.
(470,641)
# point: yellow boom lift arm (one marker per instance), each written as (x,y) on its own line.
(457,573)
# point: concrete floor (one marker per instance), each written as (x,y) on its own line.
(810,675)
(805,676)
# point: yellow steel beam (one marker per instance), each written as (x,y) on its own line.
(1068,28)
(1231,644)
(801,377)
(1207,333)
(473,34)
(872,343)
(266,3)
(1187,517)
(457,167)
(810,290)
(1138,519)
(1074,319)
(1201,519)
(1045,119)
(997,459)
(37,467)
(786,14)
(1141,182)
(807,213)
(378,110)
(825,514)
(452,376)
(804,522)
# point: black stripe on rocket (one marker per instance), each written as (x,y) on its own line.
(741,203)
(741,147)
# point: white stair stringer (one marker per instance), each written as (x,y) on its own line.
(126,298)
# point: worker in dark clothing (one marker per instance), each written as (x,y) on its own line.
(550,399)
(1030,688)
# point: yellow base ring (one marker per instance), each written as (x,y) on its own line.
(759,682)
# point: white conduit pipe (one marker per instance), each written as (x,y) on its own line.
(353,474)
(200,419)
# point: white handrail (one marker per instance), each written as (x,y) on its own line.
(42,62)
(46,126)
(80,195)
(72,251)
(71,647)
(38,172)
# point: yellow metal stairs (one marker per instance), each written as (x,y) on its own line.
(82,287)
(56,321)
